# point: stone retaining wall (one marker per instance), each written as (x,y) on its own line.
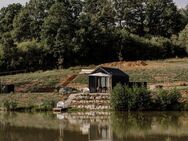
(91,102)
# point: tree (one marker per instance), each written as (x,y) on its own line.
(1,55)
(142,17)
(184,13)
(162,18)
(22,26)
(7,15)
(10,57)
(28,23)
(95,36)
(32,55)
(59,29)
(183,38)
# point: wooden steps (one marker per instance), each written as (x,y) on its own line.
(69,80)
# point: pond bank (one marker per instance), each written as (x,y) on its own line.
(47,101)
(29,101)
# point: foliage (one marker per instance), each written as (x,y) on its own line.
(47,105)
(148,16)
(65,33)
(167,100)
(184,14)
(28,50)
(183,38)
(9,105)
(124,98)
(7,15)
(119,98)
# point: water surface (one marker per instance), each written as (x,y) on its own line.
(94,126)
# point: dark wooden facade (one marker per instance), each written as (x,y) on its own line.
(103,79)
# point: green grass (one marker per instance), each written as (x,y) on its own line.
(164,71)
(31,82)
(30,101)
(169,71)
(161,71)
(159,75)
(82,79)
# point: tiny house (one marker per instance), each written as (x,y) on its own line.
(103,79)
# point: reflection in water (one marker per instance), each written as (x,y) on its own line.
(94,126)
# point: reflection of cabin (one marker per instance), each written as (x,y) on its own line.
(103,79)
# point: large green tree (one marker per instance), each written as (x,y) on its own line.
(10,58)
(162,18)
(183,38)
(7,15)
(95,36)
(59,29)
(184,13)
(28,22)
(155,17)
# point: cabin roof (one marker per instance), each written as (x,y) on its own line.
(110,71)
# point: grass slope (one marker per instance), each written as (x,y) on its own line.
(154,72)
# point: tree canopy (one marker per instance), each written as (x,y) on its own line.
(46,34)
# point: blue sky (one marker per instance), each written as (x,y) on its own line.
(180,3)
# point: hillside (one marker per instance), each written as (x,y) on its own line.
(171,73)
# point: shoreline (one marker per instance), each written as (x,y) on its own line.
(45,102)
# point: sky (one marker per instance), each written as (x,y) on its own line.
(180,3)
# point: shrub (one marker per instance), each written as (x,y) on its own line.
(118,98)
(47,105)
(126,98)
(138,98)
(167,100)
(9,105)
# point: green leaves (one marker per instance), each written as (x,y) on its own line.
(76,32)
(125,98)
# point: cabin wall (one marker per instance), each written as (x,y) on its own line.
(92,84)
(137,84)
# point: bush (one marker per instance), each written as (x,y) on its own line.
(138,98)
(47,105)
(126,98)
(9,105)
(119,98)
(167,100)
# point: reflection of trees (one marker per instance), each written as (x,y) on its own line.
(124,124)
(141,124)
(168,119)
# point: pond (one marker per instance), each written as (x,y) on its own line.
(94,126)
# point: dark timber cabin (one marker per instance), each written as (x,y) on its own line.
(103,79)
